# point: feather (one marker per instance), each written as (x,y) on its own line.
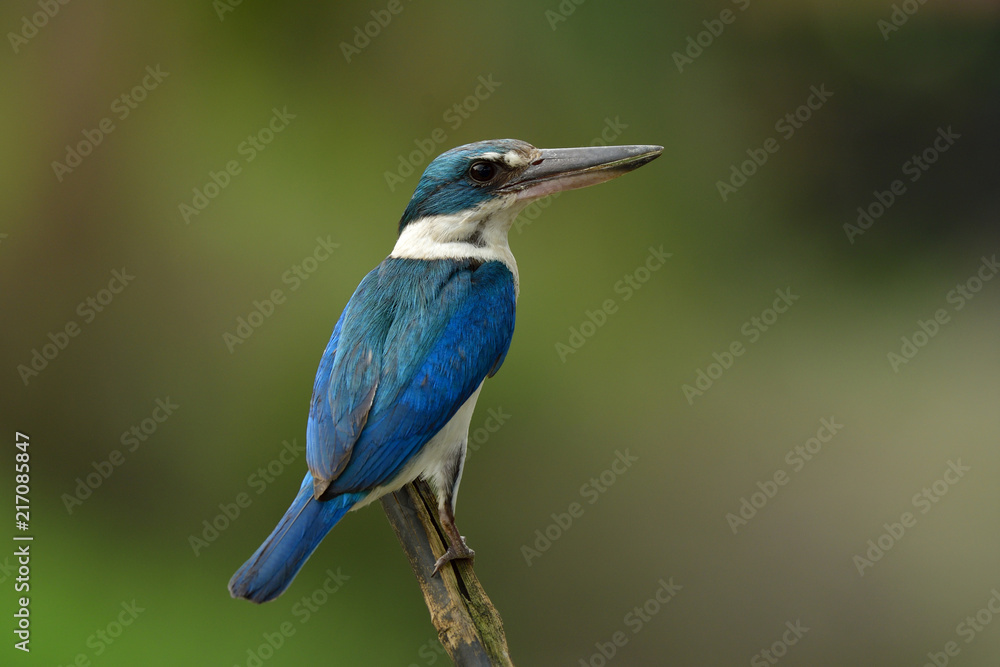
(414,342)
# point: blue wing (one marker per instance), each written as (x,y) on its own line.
(414,342)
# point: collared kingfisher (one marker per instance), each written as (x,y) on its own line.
(399,379)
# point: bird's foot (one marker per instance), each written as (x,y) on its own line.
(454,553)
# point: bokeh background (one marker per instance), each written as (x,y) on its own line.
(560,74)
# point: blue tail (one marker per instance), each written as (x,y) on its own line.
(273,566)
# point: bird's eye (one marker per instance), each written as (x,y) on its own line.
(482,171)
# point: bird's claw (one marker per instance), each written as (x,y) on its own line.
(453,553)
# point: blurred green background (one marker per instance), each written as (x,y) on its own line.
(560,74)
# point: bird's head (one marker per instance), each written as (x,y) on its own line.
(468,197)
(469,191)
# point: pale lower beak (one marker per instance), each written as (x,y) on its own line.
(558,169)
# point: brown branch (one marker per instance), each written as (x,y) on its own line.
(468,624)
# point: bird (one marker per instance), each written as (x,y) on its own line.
(398,381)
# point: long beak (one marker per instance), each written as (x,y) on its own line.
(558,169)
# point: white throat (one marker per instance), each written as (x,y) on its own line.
(479,233)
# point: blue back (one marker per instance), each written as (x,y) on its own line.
(412,345)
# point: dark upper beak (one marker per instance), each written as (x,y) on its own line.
(558,169)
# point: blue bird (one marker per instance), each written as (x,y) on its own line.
(399,379)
